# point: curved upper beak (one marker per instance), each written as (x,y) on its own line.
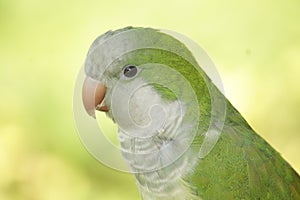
(93,93)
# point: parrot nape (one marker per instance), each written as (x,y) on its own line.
(179,135)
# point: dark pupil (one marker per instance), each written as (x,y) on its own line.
(130,71)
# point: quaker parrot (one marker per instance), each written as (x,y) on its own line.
(179,135)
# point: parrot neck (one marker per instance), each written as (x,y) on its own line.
(158,162)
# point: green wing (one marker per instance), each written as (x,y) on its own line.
(242,165)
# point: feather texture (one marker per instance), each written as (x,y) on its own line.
(194,153)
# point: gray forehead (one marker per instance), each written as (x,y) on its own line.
(111,46)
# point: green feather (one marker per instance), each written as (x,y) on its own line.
(165,92)
(244,166)
(241,165)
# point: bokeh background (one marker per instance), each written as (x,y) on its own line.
(255,44)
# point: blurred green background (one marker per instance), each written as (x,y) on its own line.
(255,44)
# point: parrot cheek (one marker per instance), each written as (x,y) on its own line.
(93,93)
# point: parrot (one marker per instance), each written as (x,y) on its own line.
(179,135)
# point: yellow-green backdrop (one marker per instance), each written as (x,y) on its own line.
(255,44)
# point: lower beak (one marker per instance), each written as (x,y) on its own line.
(93,93)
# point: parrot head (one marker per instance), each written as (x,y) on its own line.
(141,78)
(149,83)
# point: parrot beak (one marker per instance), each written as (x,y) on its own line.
(93,93)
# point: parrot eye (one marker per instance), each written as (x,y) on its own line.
(130,71)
